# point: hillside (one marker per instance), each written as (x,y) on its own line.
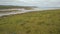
(41,22)
(9,7)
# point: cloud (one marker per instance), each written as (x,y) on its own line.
(43,3)
(40,3)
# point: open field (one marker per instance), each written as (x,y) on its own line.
(41,22)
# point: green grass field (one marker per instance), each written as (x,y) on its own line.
(44,22)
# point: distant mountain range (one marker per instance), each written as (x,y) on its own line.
(10,6)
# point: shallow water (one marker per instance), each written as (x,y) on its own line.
(2,13)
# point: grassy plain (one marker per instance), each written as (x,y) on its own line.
(41,22)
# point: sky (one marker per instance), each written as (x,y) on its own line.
(39,3)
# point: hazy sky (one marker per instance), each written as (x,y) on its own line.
(40,3)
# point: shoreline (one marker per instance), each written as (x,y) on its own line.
(22,11)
